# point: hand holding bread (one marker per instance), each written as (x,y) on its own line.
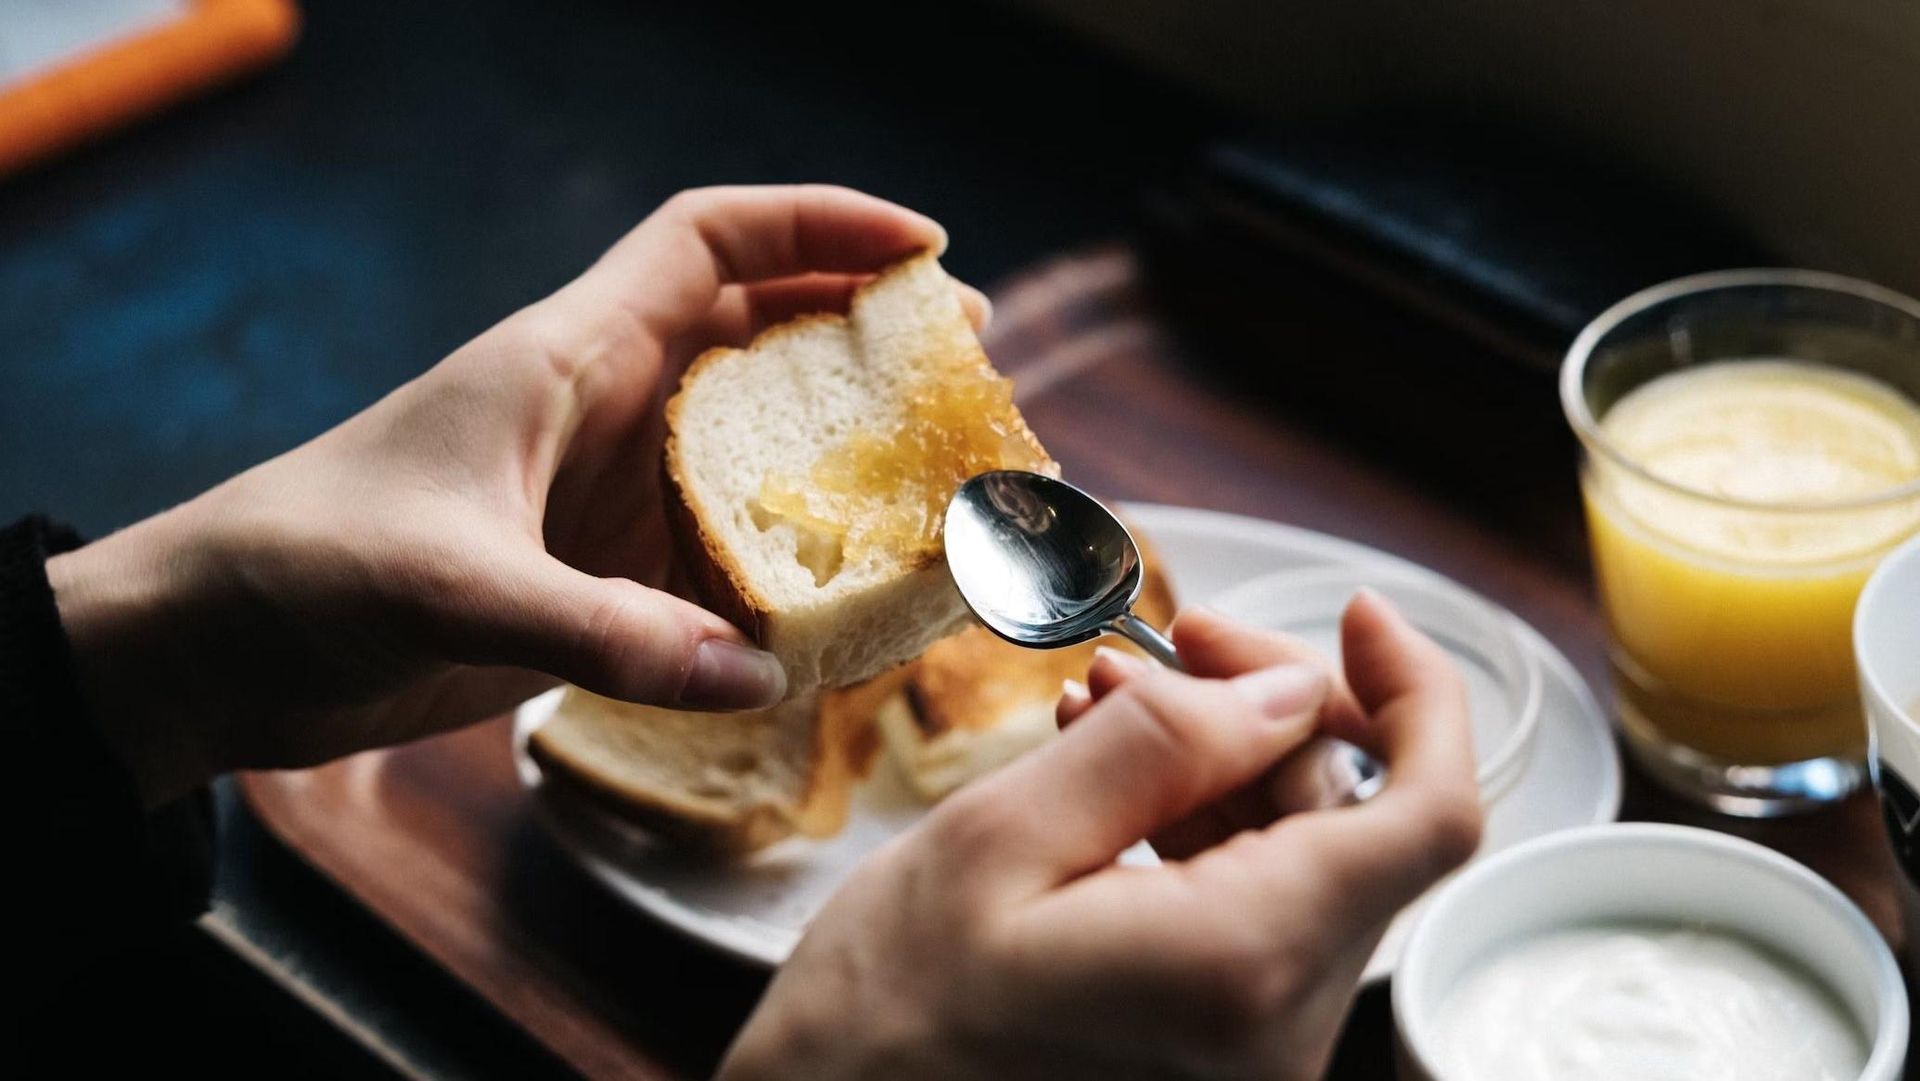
(499,522)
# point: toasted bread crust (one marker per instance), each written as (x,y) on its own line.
(686,823)
(846,743)
(719,582)
(847,713)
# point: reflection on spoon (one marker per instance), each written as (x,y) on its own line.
(1044,564)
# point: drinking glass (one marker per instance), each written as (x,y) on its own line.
(1733,673)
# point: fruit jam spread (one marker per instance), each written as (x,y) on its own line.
(888,487)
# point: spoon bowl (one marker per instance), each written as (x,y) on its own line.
(1045,565)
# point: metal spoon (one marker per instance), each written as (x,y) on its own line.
(1043,564)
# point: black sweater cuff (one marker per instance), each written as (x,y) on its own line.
(93,871)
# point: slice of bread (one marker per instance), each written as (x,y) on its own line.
(723,782)
(974,702)
(813,469)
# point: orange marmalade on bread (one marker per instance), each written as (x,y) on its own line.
(888,487)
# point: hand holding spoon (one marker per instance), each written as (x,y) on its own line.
(1043,564)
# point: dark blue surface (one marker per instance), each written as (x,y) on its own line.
(225,281)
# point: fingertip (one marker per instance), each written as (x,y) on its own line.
(729,675)
(1369,608)
(938,244)
(612,636)
(1369,647)
(1119,660)
(1111,668)
(1389,660)
(926,234)
(1075,699)
(1203,616)
(1371,619)
(1198,624)
(974,303)
(919,232)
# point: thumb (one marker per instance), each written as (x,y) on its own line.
(614,637)
(1150,752)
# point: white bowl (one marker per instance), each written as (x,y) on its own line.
(1504,681)
(1886,646)
(1644,872)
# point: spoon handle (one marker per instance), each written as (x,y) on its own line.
(1141,633)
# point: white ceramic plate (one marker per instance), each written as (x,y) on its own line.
(757,909)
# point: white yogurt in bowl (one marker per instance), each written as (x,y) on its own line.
(1655,1002)
(1646,952)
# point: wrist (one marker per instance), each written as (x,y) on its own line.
(126,614)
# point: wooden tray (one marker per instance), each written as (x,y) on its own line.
(437,840)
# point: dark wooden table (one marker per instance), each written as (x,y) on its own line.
(437,840)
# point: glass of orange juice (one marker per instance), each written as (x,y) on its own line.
(1751,449)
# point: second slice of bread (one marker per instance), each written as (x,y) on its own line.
(721,782)
(811,466)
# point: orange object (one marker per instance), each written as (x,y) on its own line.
(107,88)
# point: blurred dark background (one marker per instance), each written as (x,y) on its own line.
(234,276)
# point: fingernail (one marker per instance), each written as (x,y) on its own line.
(727,675)
(1283,691)
(1127,663)
(1075,692)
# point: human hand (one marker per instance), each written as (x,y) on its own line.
(1000,940)
(1318,774)
(491,525)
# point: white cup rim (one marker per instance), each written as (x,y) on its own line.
(1877,587)
(1409,982)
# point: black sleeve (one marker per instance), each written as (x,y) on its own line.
(90,871)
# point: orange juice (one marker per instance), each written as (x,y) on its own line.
(1730,587)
